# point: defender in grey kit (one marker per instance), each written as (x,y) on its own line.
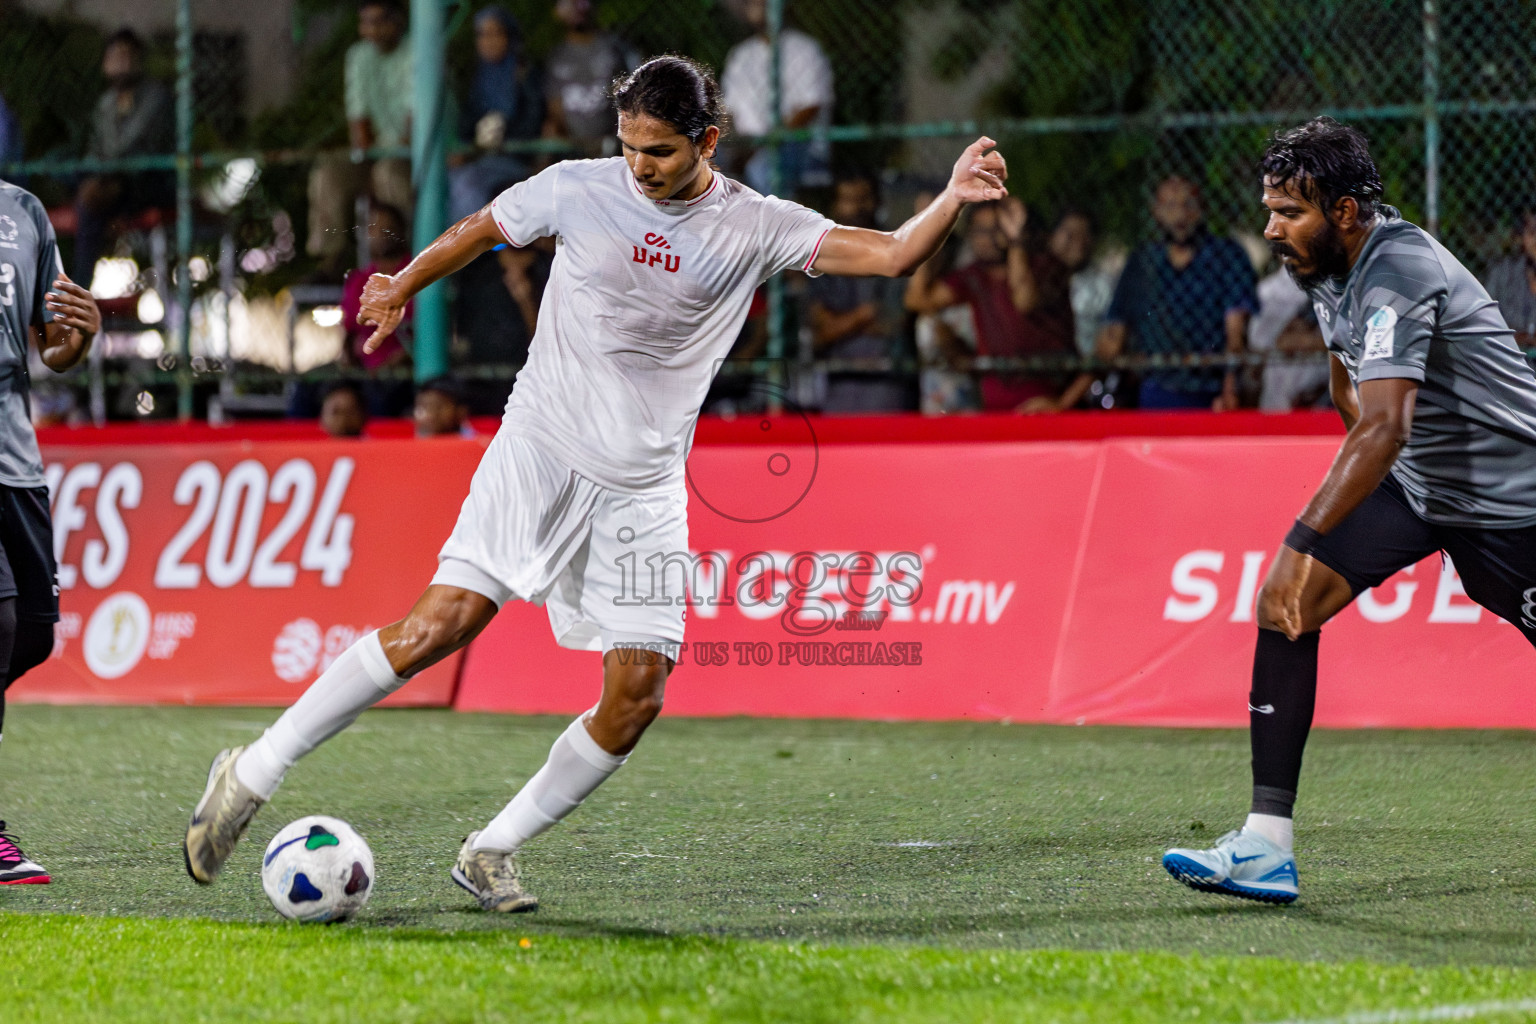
(1440,404)
(41,306)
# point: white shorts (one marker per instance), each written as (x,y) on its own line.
(535,529)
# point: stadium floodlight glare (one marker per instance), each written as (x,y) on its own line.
(114,277)
(151,309)
(229,188)
(326,316)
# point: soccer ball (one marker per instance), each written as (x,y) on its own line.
(317,869)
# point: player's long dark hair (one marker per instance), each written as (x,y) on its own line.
(1325,161)
(675,89)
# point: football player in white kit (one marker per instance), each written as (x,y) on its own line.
(657,258)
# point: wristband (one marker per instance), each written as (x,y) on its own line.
(1302,538)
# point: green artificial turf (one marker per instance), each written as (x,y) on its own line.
(871,851)
(98,969)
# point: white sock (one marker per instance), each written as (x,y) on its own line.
(1276,829)
(356,681)
(576,766)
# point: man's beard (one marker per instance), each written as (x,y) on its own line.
(1329,257)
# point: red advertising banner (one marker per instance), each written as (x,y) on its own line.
(1092,582)
(1097,581)
(235,572)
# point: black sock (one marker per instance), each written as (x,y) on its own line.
(1280,716)
(7,638)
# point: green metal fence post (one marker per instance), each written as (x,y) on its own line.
(1431,117)
(182,274)
(429,172)
(776,296)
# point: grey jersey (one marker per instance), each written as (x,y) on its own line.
(29,263)
(1409,309)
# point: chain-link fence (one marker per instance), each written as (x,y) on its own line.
(209,172)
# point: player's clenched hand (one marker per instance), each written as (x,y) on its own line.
(1280,600)
(980,173)
(73,306)
(382,307)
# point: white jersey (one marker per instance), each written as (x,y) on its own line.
(644,301)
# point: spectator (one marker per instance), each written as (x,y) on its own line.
(1512,283)
(504,103)
(805,89)
(442,410)
(1285,324)
(945,341)
(378,105)
(389,250)
(1021,303)
(946,344)
(580,69)
(133,117)
(859,317)
(11,147)
(1093,280)
(341,410)
(1185,293)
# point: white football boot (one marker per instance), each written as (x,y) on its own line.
(493,878)
(1242,864)
(219,820)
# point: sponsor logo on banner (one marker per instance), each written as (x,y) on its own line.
(1202,585)
(117,635)
(170,629)
(296,651)
(302,649)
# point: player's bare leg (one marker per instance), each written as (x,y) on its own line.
(1256,862)
(443,620)
(592,748)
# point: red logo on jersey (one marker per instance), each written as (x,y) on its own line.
(671,264)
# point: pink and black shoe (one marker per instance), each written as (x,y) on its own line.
(15,867)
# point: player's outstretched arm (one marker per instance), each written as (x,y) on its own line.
(385,295)
(979,176)
(64,341)
(1384,418)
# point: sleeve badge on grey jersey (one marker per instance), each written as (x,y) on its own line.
(1380,330)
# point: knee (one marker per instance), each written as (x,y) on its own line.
(1268,607)
(643,693)
(1264,608)
(637,693)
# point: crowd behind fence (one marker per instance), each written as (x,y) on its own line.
(222,174)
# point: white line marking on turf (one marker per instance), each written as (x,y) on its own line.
(647,853)
(1454,1011)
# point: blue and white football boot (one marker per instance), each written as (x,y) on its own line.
(1242,864)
